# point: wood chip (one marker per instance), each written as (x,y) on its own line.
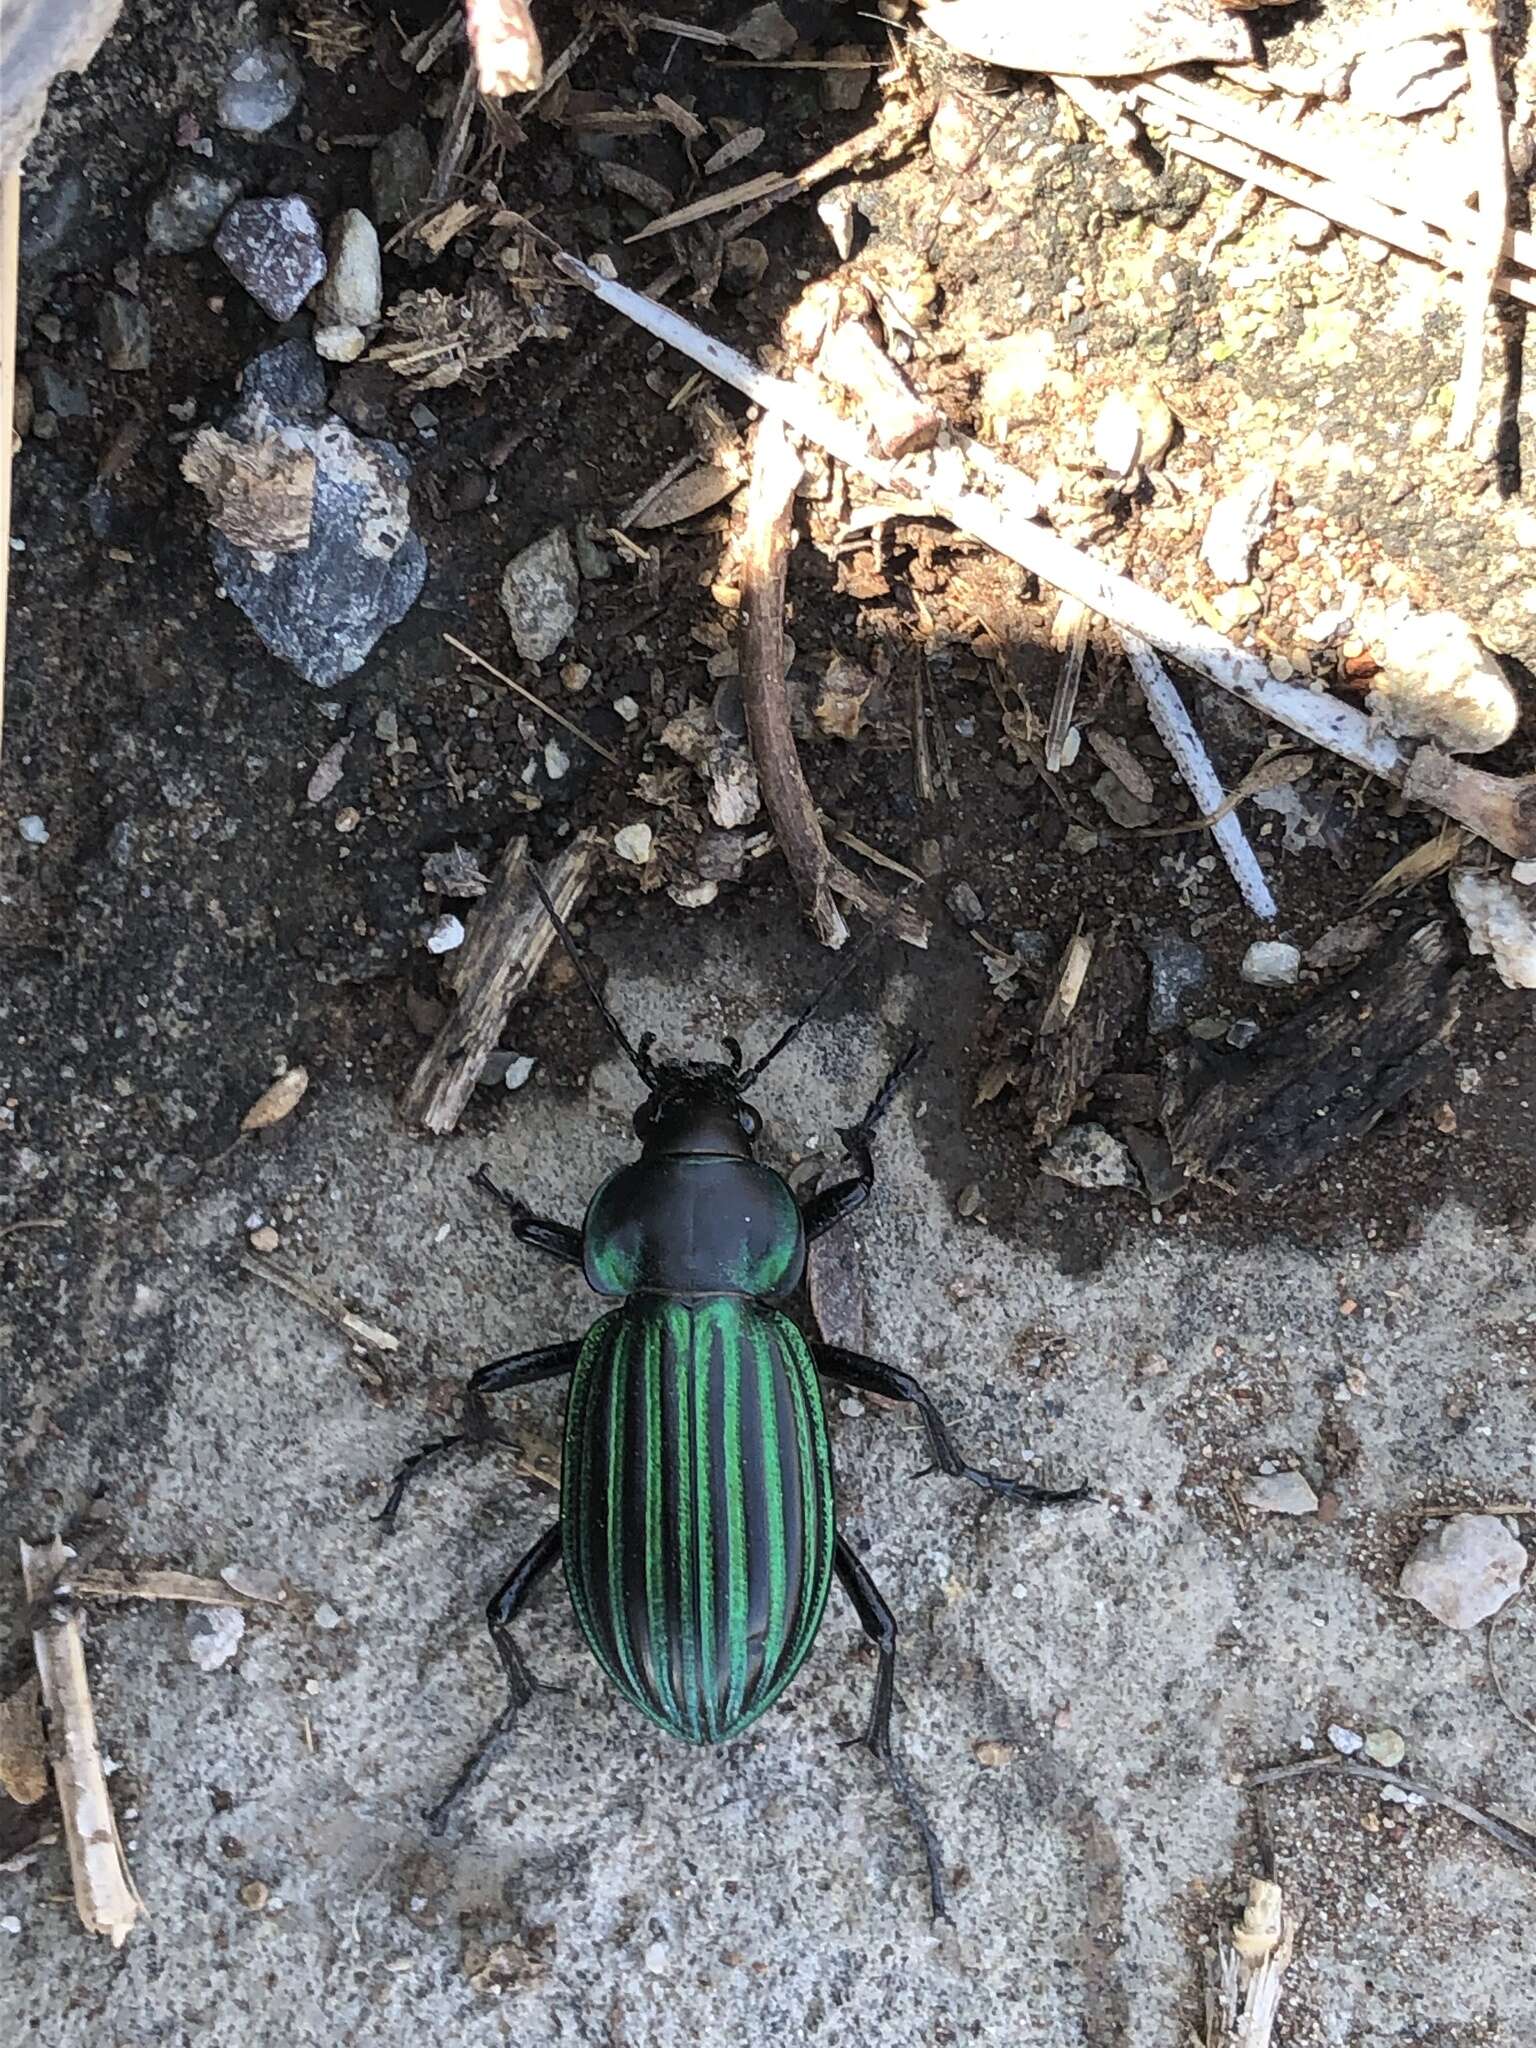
(1122,764)
(23,1750)
(105,1897)
(736,151)
(278,1101)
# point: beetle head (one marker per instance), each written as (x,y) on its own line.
(697,1106)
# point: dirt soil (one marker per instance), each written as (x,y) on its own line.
(195,921)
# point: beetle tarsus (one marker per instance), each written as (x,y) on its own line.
(879,1624)
(834,1203)
(559,1240)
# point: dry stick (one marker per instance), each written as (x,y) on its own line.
(509,935)
(1338,164)
(369,1335)
(1502,808)
(1485,247)
(105,1897)
(155,1584)
(1250,1968)
(10,241)
(1176,730)
(766,546)
(1517,1840)
(528,697)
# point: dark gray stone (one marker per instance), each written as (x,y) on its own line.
(323,608)
(290,379)
(1179,970)
(273,248)
(122,326)
(56,392)
(185,213)
(399,172)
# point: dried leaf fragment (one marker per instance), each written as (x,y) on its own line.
(508,55)
(278,1101)
(260,493)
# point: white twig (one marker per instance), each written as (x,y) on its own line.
(1176,730)
(950,480)
(1243,2002)
(105,1897)
(1479,31)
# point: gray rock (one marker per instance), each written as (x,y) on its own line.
(1347,1741)
(1124,808)
(399,172)
(287,379)
(964,904)
(59,395)
(32,829)
(1271,963)
(323,608)
(1464,1570)
(1386,1747)
(1343,944)
(1236,526)
(213,1635)
(1179,970)
(353,290)
(340,344)
(1088,1157)
(185,213)
(122,326)
(261,88)
(1279,1493)
(540,595)
(272,247)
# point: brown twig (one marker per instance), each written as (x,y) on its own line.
(105,1897)
(1485,247)
(369,1335)
(1243,1990)
(156,1584)
(1516,1840)
(509,935)
(767,543)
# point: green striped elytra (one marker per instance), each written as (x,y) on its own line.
(697,1526)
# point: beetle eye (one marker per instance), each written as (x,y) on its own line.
(749,1119)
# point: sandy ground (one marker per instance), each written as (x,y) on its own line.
(1123,1665)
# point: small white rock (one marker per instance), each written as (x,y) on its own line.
(518,1071)
(557,761)
(627,709)
(1236,526)
(446,936)
(633,843)
(1345,1740)
(32,829)
(694,895)
(1500,920)
(1464,1570)
(340,344)
(1087,1156)
(213,1635)
(351,293)
(1117,434)
(9,1924)
(1386,1747)
(1280,1493)
(1306,229)
(326,1616)
(1524,872)
(1438,682)
(1412,77)
(1271,963)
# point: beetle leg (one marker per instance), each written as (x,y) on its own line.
(834,1203)
(522,1369)
(879,1624)
(500,1613)
(874,1376)
(558,1239)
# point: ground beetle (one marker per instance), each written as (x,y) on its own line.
(697,1523)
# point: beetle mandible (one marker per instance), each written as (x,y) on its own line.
(697,1523)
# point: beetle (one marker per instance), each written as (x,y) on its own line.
(697,1525)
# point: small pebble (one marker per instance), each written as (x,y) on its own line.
(9,1924)
(265,1239)
(446,935)
(540,594)
(627,709)
(968,1201)
(254,1895)
(32,829)
(273,248)
(213,1635)
(965,904)
(518,1071)
(326,1616)
(1270,963)
(1345,1740)
(1280,1493)
(261,88)
(1464,1570)
(185,213)
(1385,1747)
(633,843)
(122,327)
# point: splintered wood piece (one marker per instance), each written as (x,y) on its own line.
(23,1747)
(1243,1995)
(105,1897)
(1321,1078)
(154,1584)
(900,419)
(509,935)
(1070,1056)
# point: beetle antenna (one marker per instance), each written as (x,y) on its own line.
(639,1058)
(786,1037)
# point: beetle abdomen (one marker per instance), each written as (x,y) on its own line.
(696,1508)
